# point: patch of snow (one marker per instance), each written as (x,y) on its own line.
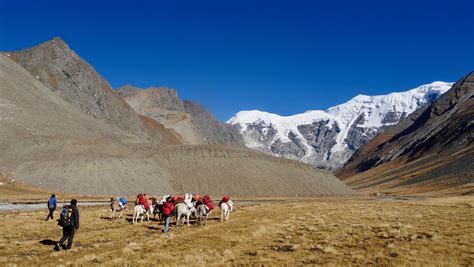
(373,108)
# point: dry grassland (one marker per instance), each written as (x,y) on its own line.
(360,231)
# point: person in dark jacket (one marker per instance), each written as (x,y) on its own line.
(69,231)
(51,206)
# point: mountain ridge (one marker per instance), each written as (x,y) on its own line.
(50,143)
(432,147)
(61,70)
(327,138)
(193,122)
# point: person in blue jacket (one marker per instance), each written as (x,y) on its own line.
(51,206)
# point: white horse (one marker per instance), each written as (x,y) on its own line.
(183,210)
(138,211)
(226,209)
(202,214)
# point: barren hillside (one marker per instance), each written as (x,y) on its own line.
(191,121)
(50,143)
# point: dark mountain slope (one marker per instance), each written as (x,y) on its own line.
(421,147)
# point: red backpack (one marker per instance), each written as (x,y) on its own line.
(206,200)
(167,208)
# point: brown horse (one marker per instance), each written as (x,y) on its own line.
(115,207)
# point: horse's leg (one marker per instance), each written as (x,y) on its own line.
(187,217)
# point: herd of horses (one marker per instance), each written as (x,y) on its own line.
(184,210)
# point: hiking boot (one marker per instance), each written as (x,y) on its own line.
(56,247)
(64,247)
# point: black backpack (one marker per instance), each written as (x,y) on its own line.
(65,217)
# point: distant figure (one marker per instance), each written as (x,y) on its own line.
(51,206)
(69,221)
(168,209)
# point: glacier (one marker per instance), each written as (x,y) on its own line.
(328,138)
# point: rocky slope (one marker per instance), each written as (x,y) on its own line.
(62,71)
(432,147)
(51,143)
(190,120)
(327,139)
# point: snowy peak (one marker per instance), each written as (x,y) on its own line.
(327,138)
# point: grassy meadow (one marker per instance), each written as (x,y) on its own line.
(359,230)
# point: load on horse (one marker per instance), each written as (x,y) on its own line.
(142,200)
(206,200)
(226,205)
(117,206)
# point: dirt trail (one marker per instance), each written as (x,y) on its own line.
(301,231)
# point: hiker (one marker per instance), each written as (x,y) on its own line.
(69,221)
(51,206)
(167,209)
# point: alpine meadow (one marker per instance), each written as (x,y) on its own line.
(268,133)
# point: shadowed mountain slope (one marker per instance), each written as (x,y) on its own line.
(432,148)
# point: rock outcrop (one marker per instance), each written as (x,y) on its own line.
(62,71)
(190,120)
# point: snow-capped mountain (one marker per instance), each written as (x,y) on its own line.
(328,138)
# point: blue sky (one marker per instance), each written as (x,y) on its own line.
(284,57)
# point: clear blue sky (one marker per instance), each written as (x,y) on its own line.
(284,57)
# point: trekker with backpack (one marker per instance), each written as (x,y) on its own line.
(69,221)
(167,209)
(51,206)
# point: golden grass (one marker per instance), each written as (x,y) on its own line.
(435,231)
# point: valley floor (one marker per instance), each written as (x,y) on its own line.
(378,231)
